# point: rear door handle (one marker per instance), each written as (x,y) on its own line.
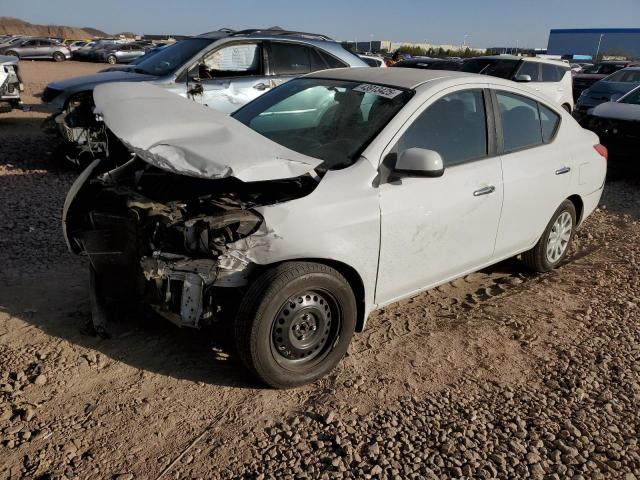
(484,191)
(563,170)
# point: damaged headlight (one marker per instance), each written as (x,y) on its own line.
(207,233)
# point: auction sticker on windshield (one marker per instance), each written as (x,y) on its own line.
(379,90)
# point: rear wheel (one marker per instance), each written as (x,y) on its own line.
(59,57)
(112,60)
(554,244)
(295,323)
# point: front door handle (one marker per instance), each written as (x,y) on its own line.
(262,86)
(563,170)
(484,191)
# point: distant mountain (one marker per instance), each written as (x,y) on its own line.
(15,26)
(94,32)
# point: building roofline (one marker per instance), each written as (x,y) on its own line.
(595,30)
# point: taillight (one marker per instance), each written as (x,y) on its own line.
(602,150)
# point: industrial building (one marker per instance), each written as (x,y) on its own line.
(596,42)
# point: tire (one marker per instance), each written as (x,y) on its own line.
(543,257)
(111,60)
(295,323)
(58,57)
(11,53)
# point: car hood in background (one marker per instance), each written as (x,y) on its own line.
(89,81)
(8,60)
(617,111)
(184,137)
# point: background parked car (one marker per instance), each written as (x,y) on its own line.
(430,63)
(149,52)
(88,51)
(594,73)
(617,124)
(373,61)
(222,70)
(549,77)
(75,45)
(578,67)
(37,48)
(10,83)
(610,88)
(120,53)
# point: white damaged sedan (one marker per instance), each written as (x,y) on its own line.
(329,197)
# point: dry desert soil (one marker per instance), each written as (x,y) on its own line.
(500,374)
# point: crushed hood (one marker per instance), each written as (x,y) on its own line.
(182,136)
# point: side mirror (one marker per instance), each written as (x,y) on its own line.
(420,162)
(523,78)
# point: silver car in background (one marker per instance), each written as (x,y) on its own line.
(120,53)
(37,48)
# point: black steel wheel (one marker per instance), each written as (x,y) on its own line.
(295,323)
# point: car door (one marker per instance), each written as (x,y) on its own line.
(232,76)
(28,49)
(536,169)
(435,229)
(46,48)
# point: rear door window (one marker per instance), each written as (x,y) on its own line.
(520,121)
(290,59)
(550,121)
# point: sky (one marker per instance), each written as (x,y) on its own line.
(486,23)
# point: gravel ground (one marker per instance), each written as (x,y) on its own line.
(501,374)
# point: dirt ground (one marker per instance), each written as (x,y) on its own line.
(160,402)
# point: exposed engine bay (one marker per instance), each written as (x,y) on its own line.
(10,84)
(165,240)
(85,133)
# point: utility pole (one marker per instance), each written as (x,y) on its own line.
(598,50)
(370,43)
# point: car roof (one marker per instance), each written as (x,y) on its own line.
(526,59)
(408,78)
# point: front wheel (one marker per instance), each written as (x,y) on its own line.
(295,323)
(59,57)
(554,244)
(111,60)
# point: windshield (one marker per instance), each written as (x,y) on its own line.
(169,59)
(633,97)
(331,120)
(502,68)
(624,76)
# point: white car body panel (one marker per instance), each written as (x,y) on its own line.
(399,237)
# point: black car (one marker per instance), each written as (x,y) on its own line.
(595,73)
(430,63)
(617,124)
